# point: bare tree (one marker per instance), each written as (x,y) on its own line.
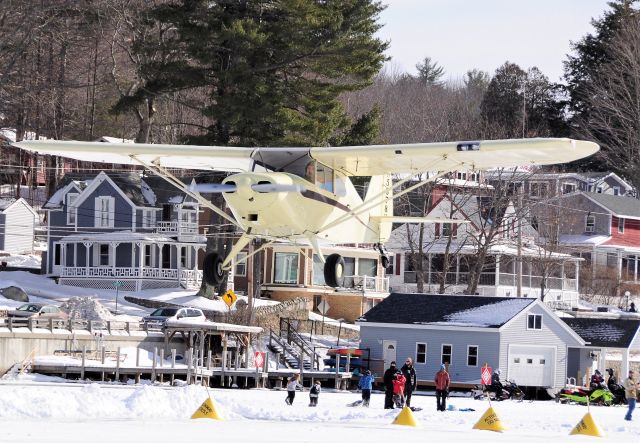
(614,99)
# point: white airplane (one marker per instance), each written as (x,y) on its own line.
(304,195)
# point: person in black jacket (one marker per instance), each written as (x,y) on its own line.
(409,373)
(388,377)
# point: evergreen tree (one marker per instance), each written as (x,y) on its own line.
(590,53)
(501,106)
(274,68)
(429,72)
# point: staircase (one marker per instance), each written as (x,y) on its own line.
(293,348)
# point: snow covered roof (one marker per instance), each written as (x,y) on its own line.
(6,202)
(605,332)
(446,310)
(588,240)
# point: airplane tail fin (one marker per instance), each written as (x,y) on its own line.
(379,195)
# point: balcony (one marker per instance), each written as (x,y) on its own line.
(176,228)
(365,283)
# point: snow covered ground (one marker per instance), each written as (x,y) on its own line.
(44,290)
(56,412)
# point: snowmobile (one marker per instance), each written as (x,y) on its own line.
(598,396)
(509,390)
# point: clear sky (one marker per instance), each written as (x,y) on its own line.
(483,34)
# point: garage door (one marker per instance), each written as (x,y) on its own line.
(532,365)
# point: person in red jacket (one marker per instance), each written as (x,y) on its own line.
(398,389)
(442,388)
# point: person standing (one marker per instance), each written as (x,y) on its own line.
(292,385)
(365,384)
(631,392)
(314,393)
(409,373)
(442,381)
(387,378)
(398,389)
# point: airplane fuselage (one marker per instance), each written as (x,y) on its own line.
(295,214)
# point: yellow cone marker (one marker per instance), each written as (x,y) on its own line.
(489,422)
(405,418)
(207,410)
(587,426)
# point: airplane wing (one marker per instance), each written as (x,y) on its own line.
(419,157)
(217,158)
(350,160)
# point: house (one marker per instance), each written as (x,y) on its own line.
(18,221)
(292,271)
(521,336)
(603,336)
(122,229)
(540,185)
(603,229)
(544,272)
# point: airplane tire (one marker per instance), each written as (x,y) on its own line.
(212,269)
(385,261)
(334,271)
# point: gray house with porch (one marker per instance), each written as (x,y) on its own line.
(122,229)
(521,336)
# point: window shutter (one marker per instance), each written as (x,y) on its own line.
(96,211)
(397,266)
(437,230)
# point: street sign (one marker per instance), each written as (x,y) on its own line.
(118,284)
(323,307)
(229,297)
(485,375)
(258,359)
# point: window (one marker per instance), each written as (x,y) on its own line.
(616,190)
(72,211)
(568,188)
(590,223)
(599,190)
(621,225)
(103,254)
(324,177)
(241,264)
(57,254)
(516,359)
(449,229)
(534,321)
(104,212)
(147,256)
(446,354)
(538,189)
(183,257)
(421,352)
(472,355)
(367,266)
(148,218)
(390,269)
(286,268)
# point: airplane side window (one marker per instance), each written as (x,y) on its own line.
(310,171)
(324,177)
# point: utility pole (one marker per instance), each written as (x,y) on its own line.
(519,257)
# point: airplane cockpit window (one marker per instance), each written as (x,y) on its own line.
(324,177)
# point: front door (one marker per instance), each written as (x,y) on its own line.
(389,351)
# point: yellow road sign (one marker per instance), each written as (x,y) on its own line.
(229,297)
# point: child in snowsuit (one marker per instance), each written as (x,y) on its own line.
(398,389)
(292,385)
(314,393)
(366,383)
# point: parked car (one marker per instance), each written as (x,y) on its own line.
(38,310)
(163,315)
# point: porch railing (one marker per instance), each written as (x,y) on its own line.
(489,279)
(366,283)
(174,227)
(192,276)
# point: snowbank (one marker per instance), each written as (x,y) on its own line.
(86,308)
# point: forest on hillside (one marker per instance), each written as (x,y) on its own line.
(295,72)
